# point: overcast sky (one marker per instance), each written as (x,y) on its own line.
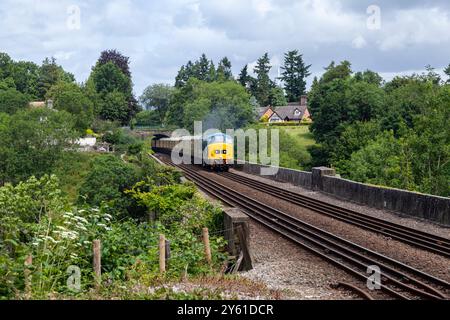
(393,37)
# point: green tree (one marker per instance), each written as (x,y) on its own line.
(263,82)
(158,97)
(114,107)
(294,75)
(111,74)
(353,138)
(119,60)
(340,71)
(6,66)
(277,97)
(26,77)
(447,72)
(107,181)
(108,78)
(386,161)
(148,118)
(184,74)
(71,98)
(224,72)
(244,78)
(218,104)
(12,100)
(49,74)
(369,77)
(338,100)
(202,69)
(33,142)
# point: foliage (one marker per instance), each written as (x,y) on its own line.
(277,97)
(12,100)
(386,161)
(224,72)
(148,118)
(294,142)
(244,78)
(71,98)
(110,83)
(106,182)
(114,107)
(118,59)
(294,75)
(21,208)
(157,98)
(221,105)
(32,143)
(72,169)
(394,134)
(109,78)
(50,74)
(264,83)
(338,100)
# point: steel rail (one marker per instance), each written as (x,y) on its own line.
(423,240)
(296,229)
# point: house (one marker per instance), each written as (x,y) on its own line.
(41,104)
(293,112)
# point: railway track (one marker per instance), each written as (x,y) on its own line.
(397,279)
(407,235)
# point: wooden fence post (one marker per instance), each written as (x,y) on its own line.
(206,244)
(168,252)
(162,253)
(27,273)
(247,260)
(97,263)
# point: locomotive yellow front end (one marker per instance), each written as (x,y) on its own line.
(220,151)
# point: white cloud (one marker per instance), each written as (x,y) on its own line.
(359,42)
(161,36)
(415,27)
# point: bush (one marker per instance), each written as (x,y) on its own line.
(107,181)
(35,219)
(148,118)
(135,148)
(12,100)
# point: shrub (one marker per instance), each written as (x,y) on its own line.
(106,182)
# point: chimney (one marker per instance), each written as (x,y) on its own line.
(303,100)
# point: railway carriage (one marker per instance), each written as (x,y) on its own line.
(218,149)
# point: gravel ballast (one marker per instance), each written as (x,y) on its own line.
(418,258)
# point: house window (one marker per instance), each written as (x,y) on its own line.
(297,113)
(275,119)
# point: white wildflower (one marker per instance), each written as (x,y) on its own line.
(50,239)
(81,227)
(81,219)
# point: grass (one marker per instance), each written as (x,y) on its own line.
(301,134)
(294,143)
(72,169)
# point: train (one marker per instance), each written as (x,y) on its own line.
(218,149)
